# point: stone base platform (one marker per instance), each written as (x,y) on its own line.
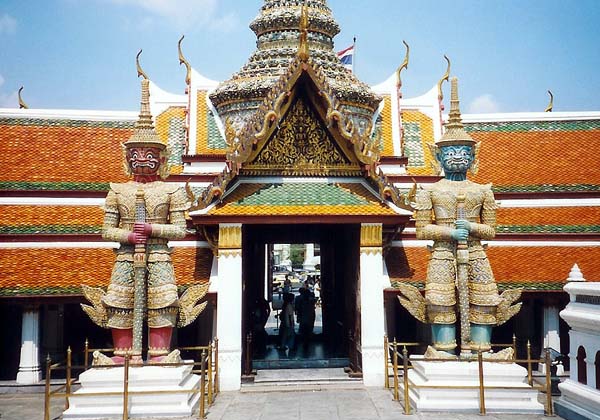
(520,398)
(578,402)
(151,379)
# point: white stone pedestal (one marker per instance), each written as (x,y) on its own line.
(146,378)
(578,401)
(521,398)
(29,366)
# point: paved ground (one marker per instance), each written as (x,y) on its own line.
(352,404)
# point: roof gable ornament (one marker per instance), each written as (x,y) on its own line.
(445,78)
(182,60)
(22,104)
(303,49)
(551,104)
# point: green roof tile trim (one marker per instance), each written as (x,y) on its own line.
(50,230)
(529,286)
(50,122)
(215,139)
(512,126)
(547,188)
(301,194)
(548,229)
(53,186)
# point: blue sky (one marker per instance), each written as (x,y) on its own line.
(80,54)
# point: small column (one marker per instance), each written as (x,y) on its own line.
(551,338)
(371,302)
(229,306)
(29,366)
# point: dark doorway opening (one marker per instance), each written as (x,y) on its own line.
(336,334)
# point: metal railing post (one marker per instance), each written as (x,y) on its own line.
(514,346)
(126,388)
(68,384)
(395,366)
(549,410)
(86,352)
(47,389)
(202,382)
(405,366)
(210,380)
(529,375)
(481,386)
(386,352)
(217,389)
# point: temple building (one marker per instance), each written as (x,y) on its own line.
(292,149)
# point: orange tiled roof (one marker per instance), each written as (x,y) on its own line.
(549,216)
(296,199)
(557,157)
(62,151)
(16,217)
(62,271)
(512,266)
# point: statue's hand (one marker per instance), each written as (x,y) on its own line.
(460,235)
(143,228)
(136,238)
(463,224)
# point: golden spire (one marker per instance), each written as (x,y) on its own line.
(403,66)
(303,51)
(182,60)
(144,133)
(22,104)
(455,132)
(551,104)
(445,77)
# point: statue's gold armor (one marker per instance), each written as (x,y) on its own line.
(165,207)
(435,214)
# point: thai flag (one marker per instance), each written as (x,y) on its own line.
(347,57)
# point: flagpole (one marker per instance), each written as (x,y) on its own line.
(354,55)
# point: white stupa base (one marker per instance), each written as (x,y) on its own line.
(577,401)
(144,378)
(521,398)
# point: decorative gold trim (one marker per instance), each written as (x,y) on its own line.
(228,253)
(188,307)
(96,312)
(414,302)
(230,237)
(371,250)
(371,235)
(303,50)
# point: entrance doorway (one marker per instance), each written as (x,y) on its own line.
(266,267)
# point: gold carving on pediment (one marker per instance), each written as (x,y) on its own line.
(302,142)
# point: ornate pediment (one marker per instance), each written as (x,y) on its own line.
(302,145)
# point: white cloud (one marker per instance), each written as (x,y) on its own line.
(483,104)
(9,100)
(8,24)
(183,13)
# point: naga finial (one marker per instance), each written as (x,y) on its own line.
(445,77)
(22,104)
(404,64)
(303,51)
(140,72)
(551,104)
(182,60)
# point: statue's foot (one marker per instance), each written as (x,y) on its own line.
(432,353)
(173,357)
(102,360)
(507,354)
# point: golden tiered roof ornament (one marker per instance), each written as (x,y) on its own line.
(403,66)
(455,133)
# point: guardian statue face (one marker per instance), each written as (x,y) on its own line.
(456,158)
(144,160)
